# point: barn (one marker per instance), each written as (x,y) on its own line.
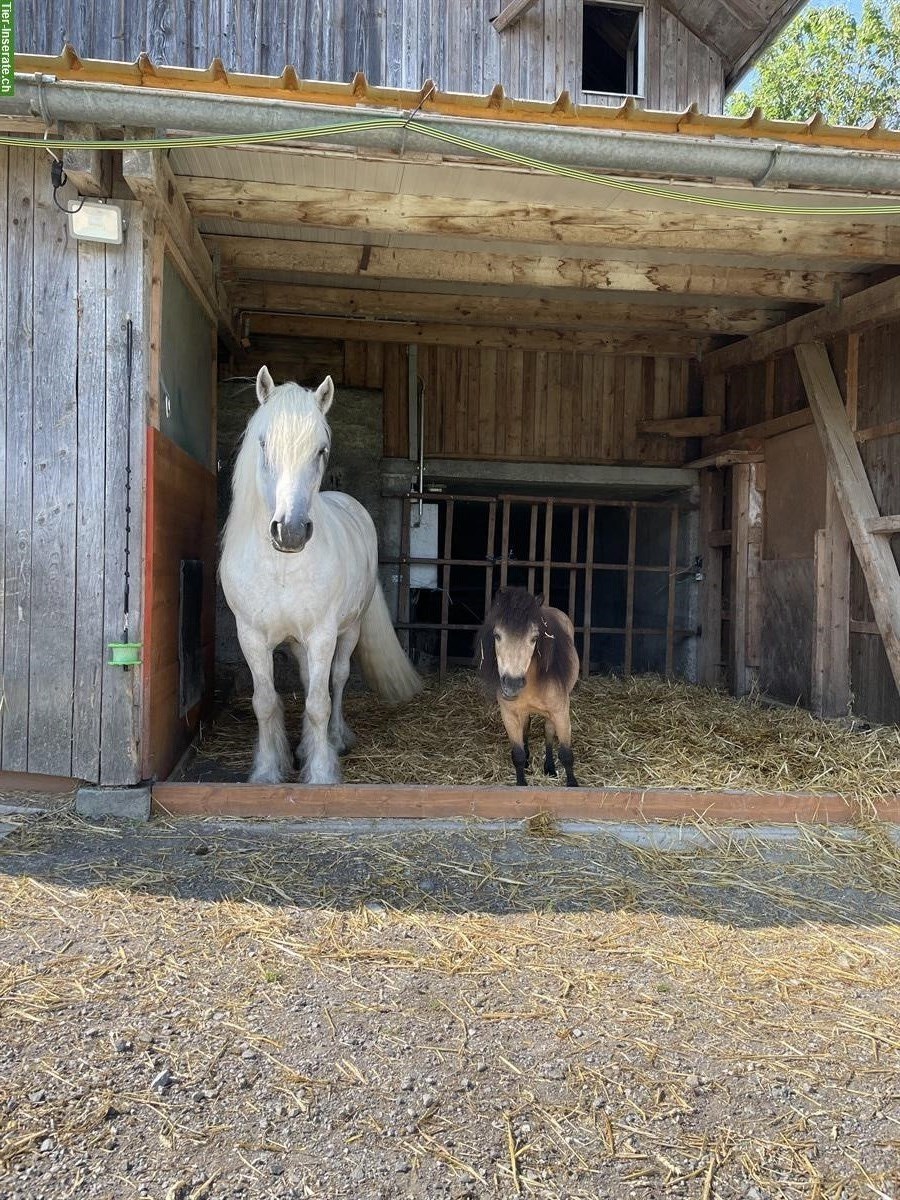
(589,336)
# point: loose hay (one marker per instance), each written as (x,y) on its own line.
(641,731)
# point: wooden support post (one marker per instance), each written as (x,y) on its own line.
(629,589)
(445,585)
(89,170)
(709,667)
(573,558)
(548,549)
(830,690)
(149,176)
(670,607)
(854,494)
(588,590)
(489,556)
(746,539)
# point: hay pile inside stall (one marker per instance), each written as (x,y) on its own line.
(641,731)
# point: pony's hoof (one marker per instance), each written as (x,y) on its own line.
(550,768)
(572,782)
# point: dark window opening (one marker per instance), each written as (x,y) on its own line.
(611,58)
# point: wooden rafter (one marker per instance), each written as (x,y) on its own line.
(875,304)
(603,276)
(854,493)
(588,312)
(511,13)
(476,336)
(839,240)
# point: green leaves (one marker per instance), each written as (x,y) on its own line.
(829,61)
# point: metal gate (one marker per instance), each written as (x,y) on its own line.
(579,552)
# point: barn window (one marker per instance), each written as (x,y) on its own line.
(612,59)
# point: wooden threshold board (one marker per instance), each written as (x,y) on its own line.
(368,801)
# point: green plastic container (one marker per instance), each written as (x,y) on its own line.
(125,654)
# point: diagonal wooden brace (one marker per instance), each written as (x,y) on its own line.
(854,494)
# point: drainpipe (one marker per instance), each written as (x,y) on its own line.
(628,152)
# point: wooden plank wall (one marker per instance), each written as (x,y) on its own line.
(181,524)
(64,304)
(765,390)
(503,404)
(878,402)
(399,43)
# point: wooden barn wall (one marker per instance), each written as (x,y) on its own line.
(181,503)
(397,43)
(878,399)
(550,407)
(504,404)
(62,484)
(766,390)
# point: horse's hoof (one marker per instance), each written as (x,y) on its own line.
(264,776)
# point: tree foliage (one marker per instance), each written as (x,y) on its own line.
(831,62)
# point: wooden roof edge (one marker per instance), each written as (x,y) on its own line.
(495,105)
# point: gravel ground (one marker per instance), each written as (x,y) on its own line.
(202,1011)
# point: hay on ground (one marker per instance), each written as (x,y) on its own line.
(640,731)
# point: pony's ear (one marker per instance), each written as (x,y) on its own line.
(265,385)
(540,599)
(325,393)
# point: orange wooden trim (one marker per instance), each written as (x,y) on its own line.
(45,785)
(569,804)
(153,435)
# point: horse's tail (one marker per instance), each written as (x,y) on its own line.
(386,668)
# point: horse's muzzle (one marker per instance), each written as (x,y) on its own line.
(511,686)
(290,537)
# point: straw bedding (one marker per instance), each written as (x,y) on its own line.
(642,731)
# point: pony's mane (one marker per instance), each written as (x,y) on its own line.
(516,610)
(293,426)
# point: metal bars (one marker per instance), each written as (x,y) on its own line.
(556,523)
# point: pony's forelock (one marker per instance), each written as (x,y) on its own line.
(292,426)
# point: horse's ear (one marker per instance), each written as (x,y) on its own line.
(265,385)
(325,393)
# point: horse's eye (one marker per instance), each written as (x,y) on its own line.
(323,453)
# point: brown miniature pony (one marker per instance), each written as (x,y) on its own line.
(527,659)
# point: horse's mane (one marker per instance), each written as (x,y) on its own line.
(516,610)
(291,423)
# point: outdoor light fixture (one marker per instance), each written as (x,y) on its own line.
(96,221)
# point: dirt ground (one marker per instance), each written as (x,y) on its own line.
(203,1011)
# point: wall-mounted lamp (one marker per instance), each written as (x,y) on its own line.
(97,221)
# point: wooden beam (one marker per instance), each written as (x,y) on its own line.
(874,432)
(854,493)
(864,308)
(511,13)
(884,525)
(505,803)
(840,241)
(556,311)
(727,458)
(830,690)
(683,427)
(746,537)
(752,436)
(149,176)
(486,337)
(251,254)
(709,664)
(89,170)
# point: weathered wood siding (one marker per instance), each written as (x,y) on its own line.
(62,404)
(507,404)
(397,43)
(766,390)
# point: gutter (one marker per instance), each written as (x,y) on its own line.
(632,153)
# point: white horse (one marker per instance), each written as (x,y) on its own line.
(326,601)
